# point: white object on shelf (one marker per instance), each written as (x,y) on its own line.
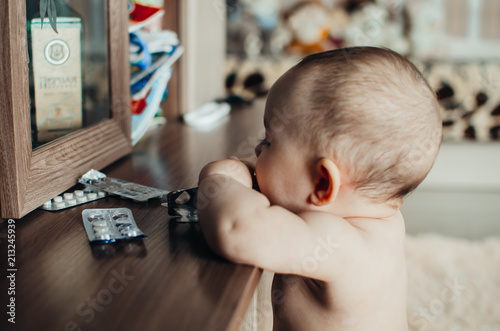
(207,115)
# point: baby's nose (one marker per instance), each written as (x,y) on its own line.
(258,149)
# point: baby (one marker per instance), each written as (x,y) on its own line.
(349,133)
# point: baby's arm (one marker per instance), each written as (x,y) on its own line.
(240,224)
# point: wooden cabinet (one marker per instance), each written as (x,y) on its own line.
(29,177)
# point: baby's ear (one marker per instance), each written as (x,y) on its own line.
(327,182)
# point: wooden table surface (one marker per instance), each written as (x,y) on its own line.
(169,281)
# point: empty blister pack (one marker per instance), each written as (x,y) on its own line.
(182,205)
(137,192)
(71,199)
(109,225)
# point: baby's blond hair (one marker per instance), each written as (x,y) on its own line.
(374,113)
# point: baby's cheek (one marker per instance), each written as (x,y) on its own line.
(262,183)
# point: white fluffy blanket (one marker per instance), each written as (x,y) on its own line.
(454,284)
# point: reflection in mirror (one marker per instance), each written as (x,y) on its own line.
(68,66)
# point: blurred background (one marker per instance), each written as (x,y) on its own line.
(456,43)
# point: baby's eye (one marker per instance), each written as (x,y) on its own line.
(264,142)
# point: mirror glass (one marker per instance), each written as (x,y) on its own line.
(68,66)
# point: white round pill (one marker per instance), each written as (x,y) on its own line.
(60,204)
(100,223)
(71,202)
(68,196)
(58,199)
(103,236)
(101,229)
(130,233)
(101,194)
(48,204)
(81,199)
(92,196)
(79,193)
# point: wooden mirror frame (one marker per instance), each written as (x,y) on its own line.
(28,177)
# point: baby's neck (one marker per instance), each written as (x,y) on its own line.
(352,205)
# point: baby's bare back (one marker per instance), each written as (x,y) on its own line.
(369,294)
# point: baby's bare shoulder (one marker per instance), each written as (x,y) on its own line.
(364,236)
(366,227)
(380,228)
(383,238)
(322,223)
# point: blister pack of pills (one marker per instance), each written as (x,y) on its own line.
(71,199)
(182,205)
(99,181)
(109,225)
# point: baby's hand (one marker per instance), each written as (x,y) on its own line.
(231,167)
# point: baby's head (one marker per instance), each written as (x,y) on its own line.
(367,109)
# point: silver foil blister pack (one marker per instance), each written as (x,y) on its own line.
(110,225)
(182,205)
(75,198)
(113,186)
